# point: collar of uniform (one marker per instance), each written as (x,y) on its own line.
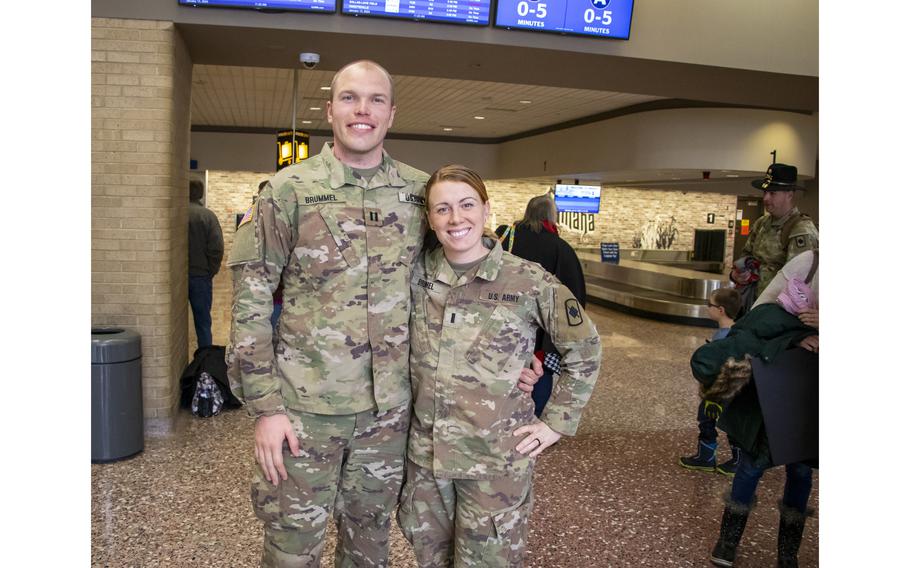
(782,220)
(438,268)
(340,174)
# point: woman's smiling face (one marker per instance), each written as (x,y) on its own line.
(457,215)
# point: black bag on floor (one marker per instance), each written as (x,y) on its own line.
(211,361)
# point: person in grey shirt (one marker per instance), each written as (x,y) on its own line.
(206,249)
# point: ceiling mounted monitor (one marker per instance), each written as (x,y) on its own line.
(324,6)
(577,198)
(470,12)
(598,18)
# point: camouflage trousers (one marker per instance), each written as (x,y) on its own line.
(466,522)
(351,466)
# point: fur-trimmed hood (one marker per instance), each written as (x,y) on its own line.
(733,376)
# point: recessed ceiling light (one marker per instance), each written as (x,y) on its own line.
(525,102)
(448,129)
(731,176)
(480,117)
(315,108)
(325,88)
(307,121)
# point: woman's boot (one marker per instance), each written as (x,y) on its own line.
(732,525)
(789,536)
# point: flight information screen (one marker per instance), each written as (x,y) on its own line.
(291,5)
(577,198)
(474,12)
(600,18)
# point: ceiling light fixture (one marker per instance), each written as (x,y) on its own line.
(525,102)
(325,88)
(447,129)
(315,108)
(480,117)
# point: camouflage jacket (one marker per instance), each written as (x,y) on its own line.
(470,338)
(764,244)
(343,248)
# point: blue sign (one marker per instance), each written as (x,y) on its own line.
(602,18)
(475,12)
(609,252)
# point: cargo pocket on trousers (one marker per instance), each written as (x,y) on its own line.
(266,500)
(509,537)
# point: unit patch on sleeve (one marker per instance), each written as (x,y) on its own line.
(801,241)
(406,197)
(573,312)
(248,216)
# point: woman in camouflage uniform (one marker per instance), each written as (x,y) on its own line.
(474,437)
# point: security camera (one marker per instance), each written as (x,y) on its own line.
(309,60)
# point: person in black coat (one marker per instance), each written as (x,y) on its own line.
(536,238)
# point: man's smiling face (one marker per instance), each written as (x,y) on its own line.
(360,112)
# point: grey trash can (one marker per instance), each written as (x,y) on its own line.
(117,422)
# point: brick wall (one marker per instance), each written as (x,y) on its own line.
(141,73)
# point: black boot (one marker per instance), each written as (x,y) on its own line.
(732,525)
(704,460)
(789,536)
(728,468)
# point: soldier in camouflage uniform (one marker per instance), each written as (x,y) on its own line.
(331,398)
(477,309)
(782,220)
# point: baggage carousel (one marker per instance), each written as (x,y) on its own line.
(659,289)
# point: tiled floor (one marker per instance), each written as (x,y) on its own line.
(611,496)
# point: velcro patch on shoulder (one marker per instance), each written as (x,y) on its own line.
(405,197)
(248,216)
(801,241)
(573,312)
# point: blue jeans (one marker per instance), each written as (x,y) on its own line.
(276,313)
(201,303)
(707,427)
(542,391)
(796,489)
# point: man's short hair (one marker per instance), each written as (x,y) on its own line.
(197,190)
(367,63)
(262,185)
(728,299)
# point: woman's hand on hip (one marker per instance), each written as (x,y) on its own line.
(537,437)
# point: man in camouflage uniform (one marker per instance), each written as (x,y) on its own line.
(468,494)
(782,220)
(331,398)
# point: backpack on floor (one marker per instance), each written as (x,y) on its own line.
(208,360)
(207,399)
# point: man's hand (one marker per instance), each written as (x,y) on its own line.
(810,344)
(529,377)
(539,437)
(270,434)
(809,317)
